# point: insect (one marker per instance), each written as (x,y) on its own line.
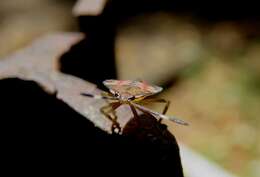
(131,93)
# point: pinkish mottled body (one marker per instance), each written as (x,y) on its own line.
(130,90)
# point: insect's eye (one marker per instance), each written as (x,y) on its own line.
(131,98)
(116,94)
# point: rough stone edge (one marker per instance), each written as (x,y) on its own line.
(39,62)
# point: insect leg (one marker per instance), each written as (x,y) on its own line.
(110,108)
(107,94)
(159,100)
(114,106)
(142,110)
(133,110)
(174,119)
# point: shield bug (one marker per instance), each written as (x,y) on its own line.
(131,93)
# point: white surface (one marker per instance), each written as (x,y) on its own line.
(195,165)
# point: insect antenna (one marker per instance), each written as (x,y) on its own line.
(146,110)
(98,96)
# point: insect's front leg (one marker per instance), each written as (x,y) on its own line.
(110,108)
(107,94)
(133,110)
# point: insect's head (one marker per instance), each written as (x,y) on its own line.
(123,96)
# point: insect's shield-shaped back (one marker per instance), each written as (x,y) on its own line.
(135,88)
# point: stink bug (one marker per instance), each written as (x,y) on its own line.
(131,93)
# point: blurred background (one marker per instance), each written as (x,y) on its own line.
(21,21)
(208,65)
(212,71)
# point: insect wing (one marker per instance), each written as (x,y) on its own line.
(135,88)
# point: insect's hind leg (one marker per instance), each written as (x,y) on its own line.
(110,108)
(165,108)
